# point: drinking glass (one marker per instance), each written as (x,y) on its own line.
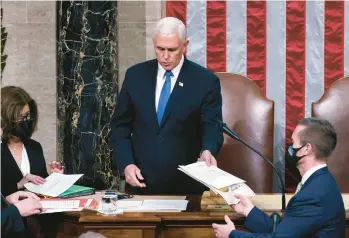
(108,201)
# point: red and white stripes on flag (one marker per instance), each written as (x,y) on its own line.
(292,49)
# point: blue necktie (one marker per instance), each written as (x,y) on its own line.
(164,96)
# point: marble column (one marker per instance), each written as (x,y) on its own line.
(87,88)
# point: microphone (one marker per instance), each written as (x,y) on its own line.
(275,216)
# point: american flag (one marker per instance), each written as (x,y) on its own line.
(292,49)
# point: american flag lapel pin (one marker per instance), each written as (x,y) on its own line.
(181,84)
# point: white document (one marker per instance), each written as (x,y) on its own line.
(157,205)
(210,175)
(62,204)
(229,197)
(215,179)
(241,188)
(55,184)
(128,204)
(56,210)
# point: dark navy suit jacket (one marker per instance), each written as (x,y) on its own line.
(317,210)
(11,221)
(186,128)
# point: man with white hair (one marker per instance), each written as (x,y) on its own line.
(165,117)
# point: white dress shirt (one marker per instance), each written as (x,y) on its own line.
(311,171)
(25,165)
(160,80)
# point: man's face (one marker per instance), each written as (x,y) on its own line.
(296,140)
(169,50)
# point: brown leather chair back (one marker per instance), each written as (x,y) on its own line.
(334,107)
(247,112)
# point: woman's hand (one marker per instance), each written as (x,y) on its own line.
(56,167)
(30,178)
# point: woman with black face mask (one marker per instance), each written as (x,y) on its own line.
(22,159)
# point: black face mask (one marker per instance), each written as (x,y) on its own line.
(292,155)
(23,129)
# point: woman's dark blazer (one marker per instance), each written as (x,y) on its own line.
(10,172)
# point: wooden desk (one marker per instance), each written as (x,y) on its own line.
(191,223)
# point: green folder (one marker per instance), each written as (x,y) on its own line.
(77,191)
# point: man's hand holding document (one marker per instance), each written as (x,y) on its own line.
(219,181)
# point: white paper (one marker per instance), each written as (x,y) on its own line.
(157,205)
(74,206)
(241,188)
(61,210)
(233,190)
(190,175)
(128,204)
(215,179)
(55,184)
(62,204)
(210,175)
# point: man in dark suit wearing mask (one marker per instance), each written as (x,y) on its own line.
(165,117)
(317,209)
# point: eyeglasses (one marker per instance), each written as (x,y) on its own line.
(25,117)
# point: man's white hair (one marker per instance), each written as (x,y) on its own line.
(170,25)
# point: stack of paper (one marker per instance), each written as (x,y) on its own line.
(217,179)
(64,205)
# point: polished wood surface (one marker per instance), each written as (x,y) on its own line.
(190,223)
